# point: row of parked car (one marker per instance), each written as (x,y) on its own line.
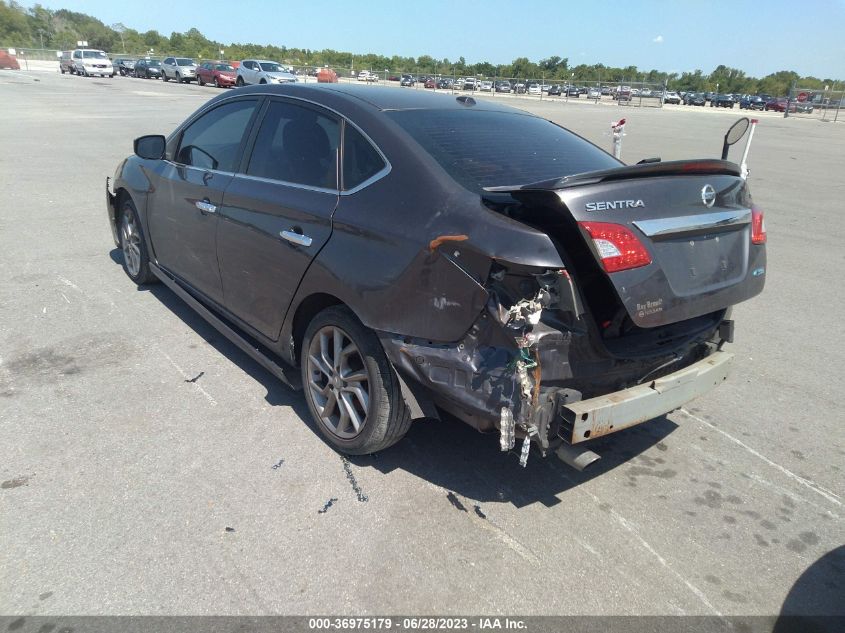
(763,102)
(223,74)
(516,86)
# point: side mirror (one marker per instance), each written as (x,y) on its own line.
(735,133)
(150,147)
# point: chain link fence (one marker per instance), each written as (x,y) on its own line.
(822,104)
(825,104)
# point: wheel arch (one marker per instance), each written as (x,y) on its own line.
(127,186)
(419,404)
(307,309)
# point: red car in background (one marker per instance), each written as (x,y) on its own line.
(796,105)
(8,61)
(221,74)
(326,76)
(430,83)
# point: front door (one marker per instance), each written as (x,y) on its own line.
(183,213)
(277,213)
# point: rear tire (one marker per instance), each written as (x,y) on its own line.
(136,262)
(351,389)
(200,81)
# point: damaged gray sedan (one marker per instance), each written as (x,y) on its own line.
(396,254)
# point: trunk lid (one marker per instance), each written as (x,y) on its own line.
(694,218)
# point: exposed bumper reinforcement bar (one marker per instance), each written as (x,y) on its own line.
(607,414)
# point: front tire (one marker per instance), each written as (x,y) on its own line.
(352,391)
(200,81)
(136,262)
(239,82)
(164,77)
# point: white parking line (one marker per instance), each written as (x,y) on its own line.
(824,492)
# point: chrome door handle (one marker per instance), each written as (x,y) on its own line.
(296,238)
(205,206)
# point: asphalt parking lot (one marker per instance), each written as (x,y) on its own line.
(152,468)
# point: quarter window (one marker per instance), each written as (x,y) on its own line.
(296,145)
(360,159)
(213,140)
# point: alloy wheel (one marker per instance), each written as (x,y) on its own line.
(130,241)
(338,382)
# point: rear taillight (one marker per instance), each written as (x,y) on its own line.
(758,226)
(617,246)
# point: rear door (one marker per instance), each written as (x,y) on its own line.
(277,212)
(183,212)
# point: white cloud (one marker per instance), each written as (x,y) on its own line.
(658,39)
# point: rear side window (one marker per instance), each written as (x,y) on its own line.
(213,140)
(296,145)
(488,149)
(361,161)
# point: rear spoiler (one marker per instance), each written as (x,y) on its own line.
(645,170)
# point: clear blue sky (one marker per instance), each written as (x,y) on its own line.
(759,37)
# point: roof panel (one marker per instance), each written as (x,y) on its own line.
(390,98)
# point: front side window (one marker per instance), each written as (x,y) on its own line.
(213,140)
(361,161)
(296,145)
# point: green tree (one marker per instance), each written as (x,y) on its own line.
(14,27)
